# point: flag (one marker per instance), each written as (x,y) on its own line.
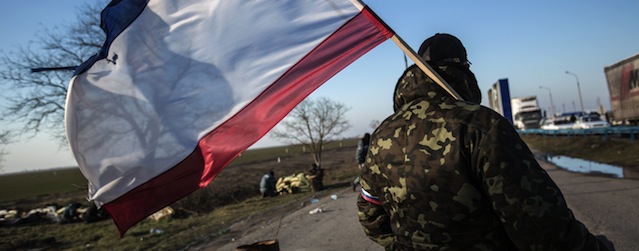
(181,88)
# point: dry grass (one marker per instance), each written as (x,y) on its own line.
(205,215)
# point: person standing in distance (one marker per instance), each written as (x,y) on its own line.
(267,185)
(316,176)
(360,156)
(445,174)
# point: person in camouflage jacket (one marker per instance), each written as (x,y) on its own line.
(444,174)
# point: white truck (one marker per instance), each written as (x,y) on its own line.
(526,112)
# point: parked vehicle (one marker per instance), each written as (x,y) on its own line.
(557,123)
(526,112)
(589,121)
(522,112)
(623,85)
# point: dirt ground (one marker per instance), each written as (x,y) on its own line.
(239,182)
(339,171)
(236,183)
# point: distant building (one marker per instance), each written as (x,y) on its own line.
(499,99)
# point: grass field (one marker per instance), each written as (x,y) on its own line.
(33,186)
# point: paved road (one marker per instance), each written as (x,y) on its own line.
(335,228)
(607,206)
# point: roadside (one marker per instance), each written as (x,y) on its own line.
(329,224)
(603,204)
(620,152)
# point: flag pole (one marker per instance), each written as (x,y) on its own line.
(425,67)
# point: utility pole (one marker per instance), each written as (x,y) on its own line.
(583,111)
(552,104)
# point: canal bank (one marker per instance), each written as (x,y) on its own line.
(620,153)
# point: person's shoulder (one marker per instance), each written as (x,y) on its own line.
(473,114)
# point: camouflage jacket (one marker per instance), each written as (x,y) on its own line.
(444,174)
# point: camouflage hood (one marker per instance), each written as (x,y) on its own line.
(414,84)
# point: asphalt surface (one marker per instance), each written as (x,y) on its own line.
(334,228)
(607,206)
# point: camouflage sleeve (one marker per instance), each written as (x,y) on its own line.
(376,223)
(529,204)
(372,216)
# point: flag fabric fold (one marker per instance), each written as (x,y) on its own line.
(181,88)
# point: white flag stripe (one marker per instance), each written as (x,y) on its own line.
(145,99)
(181,88)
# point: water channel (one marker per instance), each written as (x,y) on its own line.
(591,167)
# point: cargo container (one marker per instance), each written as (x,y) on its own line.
(623,85)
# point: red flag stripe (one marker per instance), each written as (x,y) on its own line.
(225,143)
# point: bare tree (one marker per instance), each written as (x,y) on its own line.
(374,124)
(38,73)
(313,123)
(4,139)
